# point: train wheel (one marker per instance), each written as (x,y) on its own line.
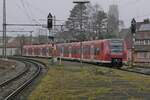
(117,63)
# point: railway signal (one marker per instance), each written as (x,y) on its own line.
(133,26)
(49,21)
(133,31)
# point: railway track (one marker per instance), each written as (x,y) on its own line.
(11,95)
(138,70)
(11,88)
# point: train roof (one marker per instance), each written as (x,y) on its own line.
(90,41)
(33,46)
(73,43)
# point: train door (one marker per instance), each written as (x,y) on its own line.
(103,50)
(86,52)
(62,51)
(44,51)
(47,51)
(24,52)
(38,51)
(92,52)
(73,51)
(70,50)
(97,51)
(35,51)
(29,51)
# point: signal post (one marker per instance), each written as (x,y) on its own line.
(133,31)
(50,21)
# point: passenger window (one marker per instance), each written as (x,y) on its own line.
(96,51)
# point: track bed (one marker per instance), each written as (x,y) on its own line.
(71,81)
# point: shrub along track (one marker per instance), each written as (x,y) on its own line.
(12,87)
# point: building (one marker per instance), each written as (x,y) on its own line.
(113,10)
(142,43)
(12,47)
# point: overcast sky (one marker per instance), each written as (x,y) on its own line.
(25,11)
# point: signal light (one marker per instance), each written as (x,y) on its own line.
(133,26)
(50,21)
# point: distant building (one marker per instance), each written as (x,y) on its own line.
(113,10)
(15,44)
(12,47)
(113,20)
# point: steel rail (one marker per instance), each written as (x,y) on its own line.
(27,83)
(16,77)
(108,66)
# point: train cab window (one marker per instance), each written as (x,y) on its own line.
(116,46)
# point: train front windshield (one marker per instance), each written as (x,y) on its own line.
(116,46)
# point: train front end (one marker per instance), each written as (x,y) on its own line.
(118,52)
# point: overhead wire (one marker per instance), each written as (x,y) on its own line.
(31,13)
(25,10)
(35,8)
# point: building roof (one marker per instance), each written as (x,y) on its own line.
(143,33)
(144,27)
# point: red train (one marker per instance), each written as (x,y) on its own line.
(108,51)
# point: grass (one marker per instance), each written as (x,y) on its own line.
(141,82)
(73,82)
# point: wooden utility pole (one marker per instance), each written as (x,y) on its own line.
(81,3)
(4,29)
